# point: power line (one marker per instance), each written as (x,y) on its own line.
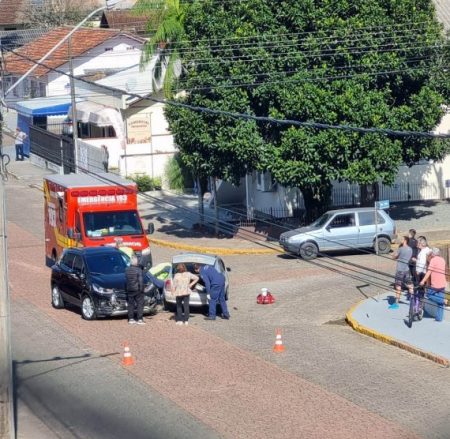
(351,270)
(271,120)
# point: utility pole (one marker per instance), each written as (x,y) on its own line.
(216,209)
(7,429)
(74,109)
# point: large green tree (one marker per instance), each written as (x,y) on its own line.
(373,64)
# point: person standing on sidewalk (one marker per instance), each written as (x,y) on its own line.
(20,137)
(105,158)
(215,286)
(436,272)
(183,281)
(135,292)
(402,274)
(422,258)
(415,250)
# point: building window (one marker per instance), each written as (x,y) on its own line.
(34,89)
(26,88)
(42,90)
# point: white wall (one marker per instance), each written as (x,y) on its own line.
(282,200)
(150,158)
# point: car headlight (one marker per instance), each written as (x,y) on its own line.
(101,290)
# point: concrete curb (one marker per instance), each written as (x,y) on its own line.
(390,340)
(214,250)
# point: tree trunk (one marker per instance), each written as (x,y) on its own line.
(200,201)
(317,200)
(216,209)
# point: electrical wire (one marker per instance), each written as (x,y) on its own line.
(334,263)
(246,116)
(69,75)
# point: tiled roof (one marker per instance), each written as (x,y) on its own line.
(83,40)
(11,11)
(124,20)
(443,12)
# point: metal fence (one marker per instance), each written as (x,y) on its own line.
(398,192)
(53,148)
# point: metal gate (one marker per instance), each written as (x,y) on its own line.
(68,154)
(57,149)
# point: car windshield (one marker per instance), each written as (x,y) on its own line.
(322,220)
(111,263)
(99,224)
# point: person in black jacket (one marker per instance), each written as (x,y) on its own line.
(415,250)
(135,292)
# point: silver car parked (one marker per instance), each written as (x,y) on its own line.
(199,297)
(342,229)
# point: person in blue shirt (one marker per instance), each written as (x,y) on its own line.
(215,286)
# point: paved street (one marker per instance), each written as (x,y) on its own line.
(220,378)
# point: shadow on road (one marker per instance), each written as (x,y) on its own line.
(19,381)
(412,210)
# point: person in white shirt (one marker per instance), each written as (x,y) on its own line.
(422,258)
(20,137)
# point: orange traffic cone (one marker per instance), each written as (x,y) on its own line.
(127,359)
(278,346)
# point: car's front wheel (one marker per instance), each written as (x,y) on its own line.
(384,246)
(88,311)
(308,251)
(57,300)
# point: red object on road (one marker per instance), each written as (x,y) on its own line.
(265,299)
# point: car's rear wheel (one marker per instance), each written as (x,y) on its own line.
(57,300)
(384,246)
(88,311)
(308,251)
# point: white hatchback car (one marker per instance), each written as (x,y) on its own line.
(199,297)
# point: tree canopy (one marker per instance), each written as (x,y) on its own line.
(53,13)
(373,64)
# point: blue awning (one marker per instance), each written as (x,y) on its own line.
(48,106)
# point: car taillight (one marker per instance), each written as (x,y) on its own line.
(168,285)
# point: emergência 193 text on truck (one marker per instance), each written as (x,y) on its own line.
(90,211)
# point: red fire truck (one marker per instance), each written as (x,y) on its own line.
(87,211)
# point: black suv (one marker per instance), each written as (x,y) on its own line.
(93,278)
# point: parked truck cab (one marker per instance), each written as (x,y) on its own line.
(90,211)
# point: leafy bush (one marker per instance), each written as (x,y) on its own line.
(146,183)
(177,174)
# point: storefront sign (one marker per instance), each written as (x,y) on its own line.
(139,129)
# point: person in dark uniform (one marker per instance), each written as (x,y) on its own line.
(215,286)
(135,292)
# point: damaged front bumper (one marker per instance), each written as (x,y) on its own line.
(117,305)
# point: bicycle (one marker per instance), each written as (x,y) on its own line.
(416,305)
(4,162)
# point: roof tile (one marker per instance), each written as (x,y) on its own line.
(83,40)
(11,12)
